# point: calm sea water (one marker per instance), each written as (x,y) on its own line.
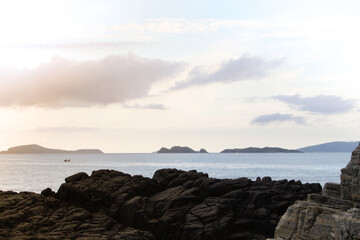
(35,172)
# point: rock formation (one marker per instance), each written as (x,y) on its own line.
(335,214)
(173,204)
(28,215)
(178,149)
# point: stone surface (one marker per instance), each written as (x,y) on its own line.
(28,215)
(174,204)
(333,215)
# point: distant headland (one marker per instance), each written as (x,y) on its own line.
(260,150)
(178,149)
(331,147)
(34,148)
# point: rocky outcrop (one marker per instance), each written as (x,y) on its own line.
(28,215)
(173,204)
(335,214)
(176,204)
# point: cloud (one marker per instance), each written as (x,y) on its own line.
(63,129)
(67,83)
(78,45)
(278,118)
(147,106)
(324,104)
(243,68)
(180,25)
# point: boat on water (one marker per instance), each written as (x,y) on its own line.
(66,160)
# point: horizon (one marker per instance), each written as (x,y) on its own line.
(234,74)
(74,149)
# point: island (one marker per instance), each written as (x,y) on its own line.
(260,150)
(34,148)
(178,149)
(331,147)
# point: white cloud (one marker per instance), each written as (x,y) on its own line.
(303,27)
(146,106)
(67,83)
(78,45)
(243,68)
(180,25)
(63,129)
(324,104)
(278,118)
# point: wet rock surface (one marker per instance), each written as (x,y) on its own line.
(335,214)
(173,204)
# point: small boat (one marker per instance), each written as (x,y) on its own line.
(66,160)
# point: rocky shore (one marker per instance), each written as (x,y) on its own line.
(335,214)
(173,204)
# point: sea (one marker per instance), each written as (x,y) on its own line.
(35,172)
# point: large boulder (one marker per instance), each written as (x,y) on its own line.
(335,214)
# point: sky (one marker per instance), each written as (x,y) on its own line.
(134,76)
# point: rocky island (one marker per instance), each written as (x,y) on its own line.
(34,148)
(173,204)
(259,150)
(178,149)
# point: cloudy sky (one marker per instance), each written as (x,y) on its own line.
(133,76)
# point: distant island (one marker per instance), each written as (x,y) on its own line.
(178,149)
(260,150)
(331,147)
(34,148)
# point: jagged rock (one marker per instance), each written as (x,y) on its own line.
(178,204)
(174,204)
(333,215)
(28,215)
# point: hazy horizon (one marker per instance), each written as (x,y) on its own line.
(135,76)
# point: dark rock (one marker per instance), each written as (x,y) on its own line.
(76,177)
(331,190)
(174,204)
(177,204)
(32,216)
(267,179)
(47,192)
